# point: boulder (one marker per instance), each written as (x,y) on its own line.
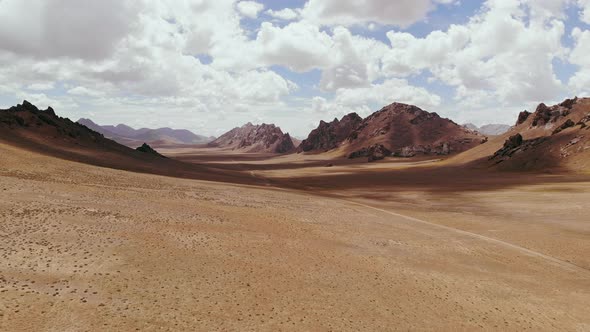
(567,124)
(522,117)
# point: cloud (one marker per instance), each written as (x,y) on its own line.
(585,10)
(202,59)
(82,91)
(365,100)
(501,54)
(65,28)
(286,14)
(579,56)
(250,8)
(41,86)
(338,12)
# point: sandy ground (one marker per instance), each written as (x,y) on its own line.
(89,248)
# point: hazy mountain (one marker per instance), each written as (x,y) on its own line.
(126,135)
(489,129)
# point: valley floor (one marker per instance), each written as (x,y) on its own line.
(89,248)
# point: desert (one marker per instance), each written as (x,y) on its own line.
(285,243)
(302,165)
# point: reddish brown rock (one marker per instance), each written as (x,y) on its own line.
(407,131)
(328,136)
(264,138)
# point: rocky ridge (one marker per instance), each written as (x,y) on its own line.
(264,138)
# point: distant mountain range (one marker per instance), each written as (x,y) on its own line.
(490,129)
(131,137)
(553,137)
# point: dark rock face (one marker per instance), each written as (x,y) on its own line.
(27,114)
(145,148)
(545,115)
(515,144)
(27,106)
(256,138)
(567,124)
(373,153)
(328,136)
(569,103)
(522,117)
(513,141)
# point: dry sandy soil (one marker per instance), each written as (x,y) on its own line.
(369,247)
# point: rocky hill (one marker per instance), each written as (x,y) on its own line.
(28,124)
(132,137)
(398,129)
(264,138)
(552,137)
(27,127)
(329,135)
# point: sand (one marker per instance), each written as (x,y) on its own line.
(90,248)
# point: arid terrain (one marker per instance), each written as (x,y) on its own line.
(99,236)
(91,248)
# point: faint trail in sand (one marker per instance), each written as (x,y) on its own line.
(556,261)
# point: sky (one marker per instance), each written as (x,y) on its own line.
(211,65)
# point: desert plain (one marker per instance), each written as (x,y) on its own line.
(285,243)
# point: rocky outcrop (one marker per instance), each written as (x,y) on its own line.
(372,153)
(544,115)
(522,117)
(515,144)
(408,131)
(583,122)
(264,138)
(145,148)
(27,117)
(329,135)
(567,124)
(442,149)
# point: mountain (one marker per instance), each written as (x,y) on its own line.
(42,131)
(552,138)
(131,137)
(264,138)
(489,129)
(398,129)
(27,125)
(329,135)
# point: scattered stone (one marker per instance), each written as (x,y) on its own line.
(373,153)
(516,144)
(568,124)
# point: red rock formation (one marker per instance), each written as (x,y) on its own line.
(264,138)
(407,131)
(328,136)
